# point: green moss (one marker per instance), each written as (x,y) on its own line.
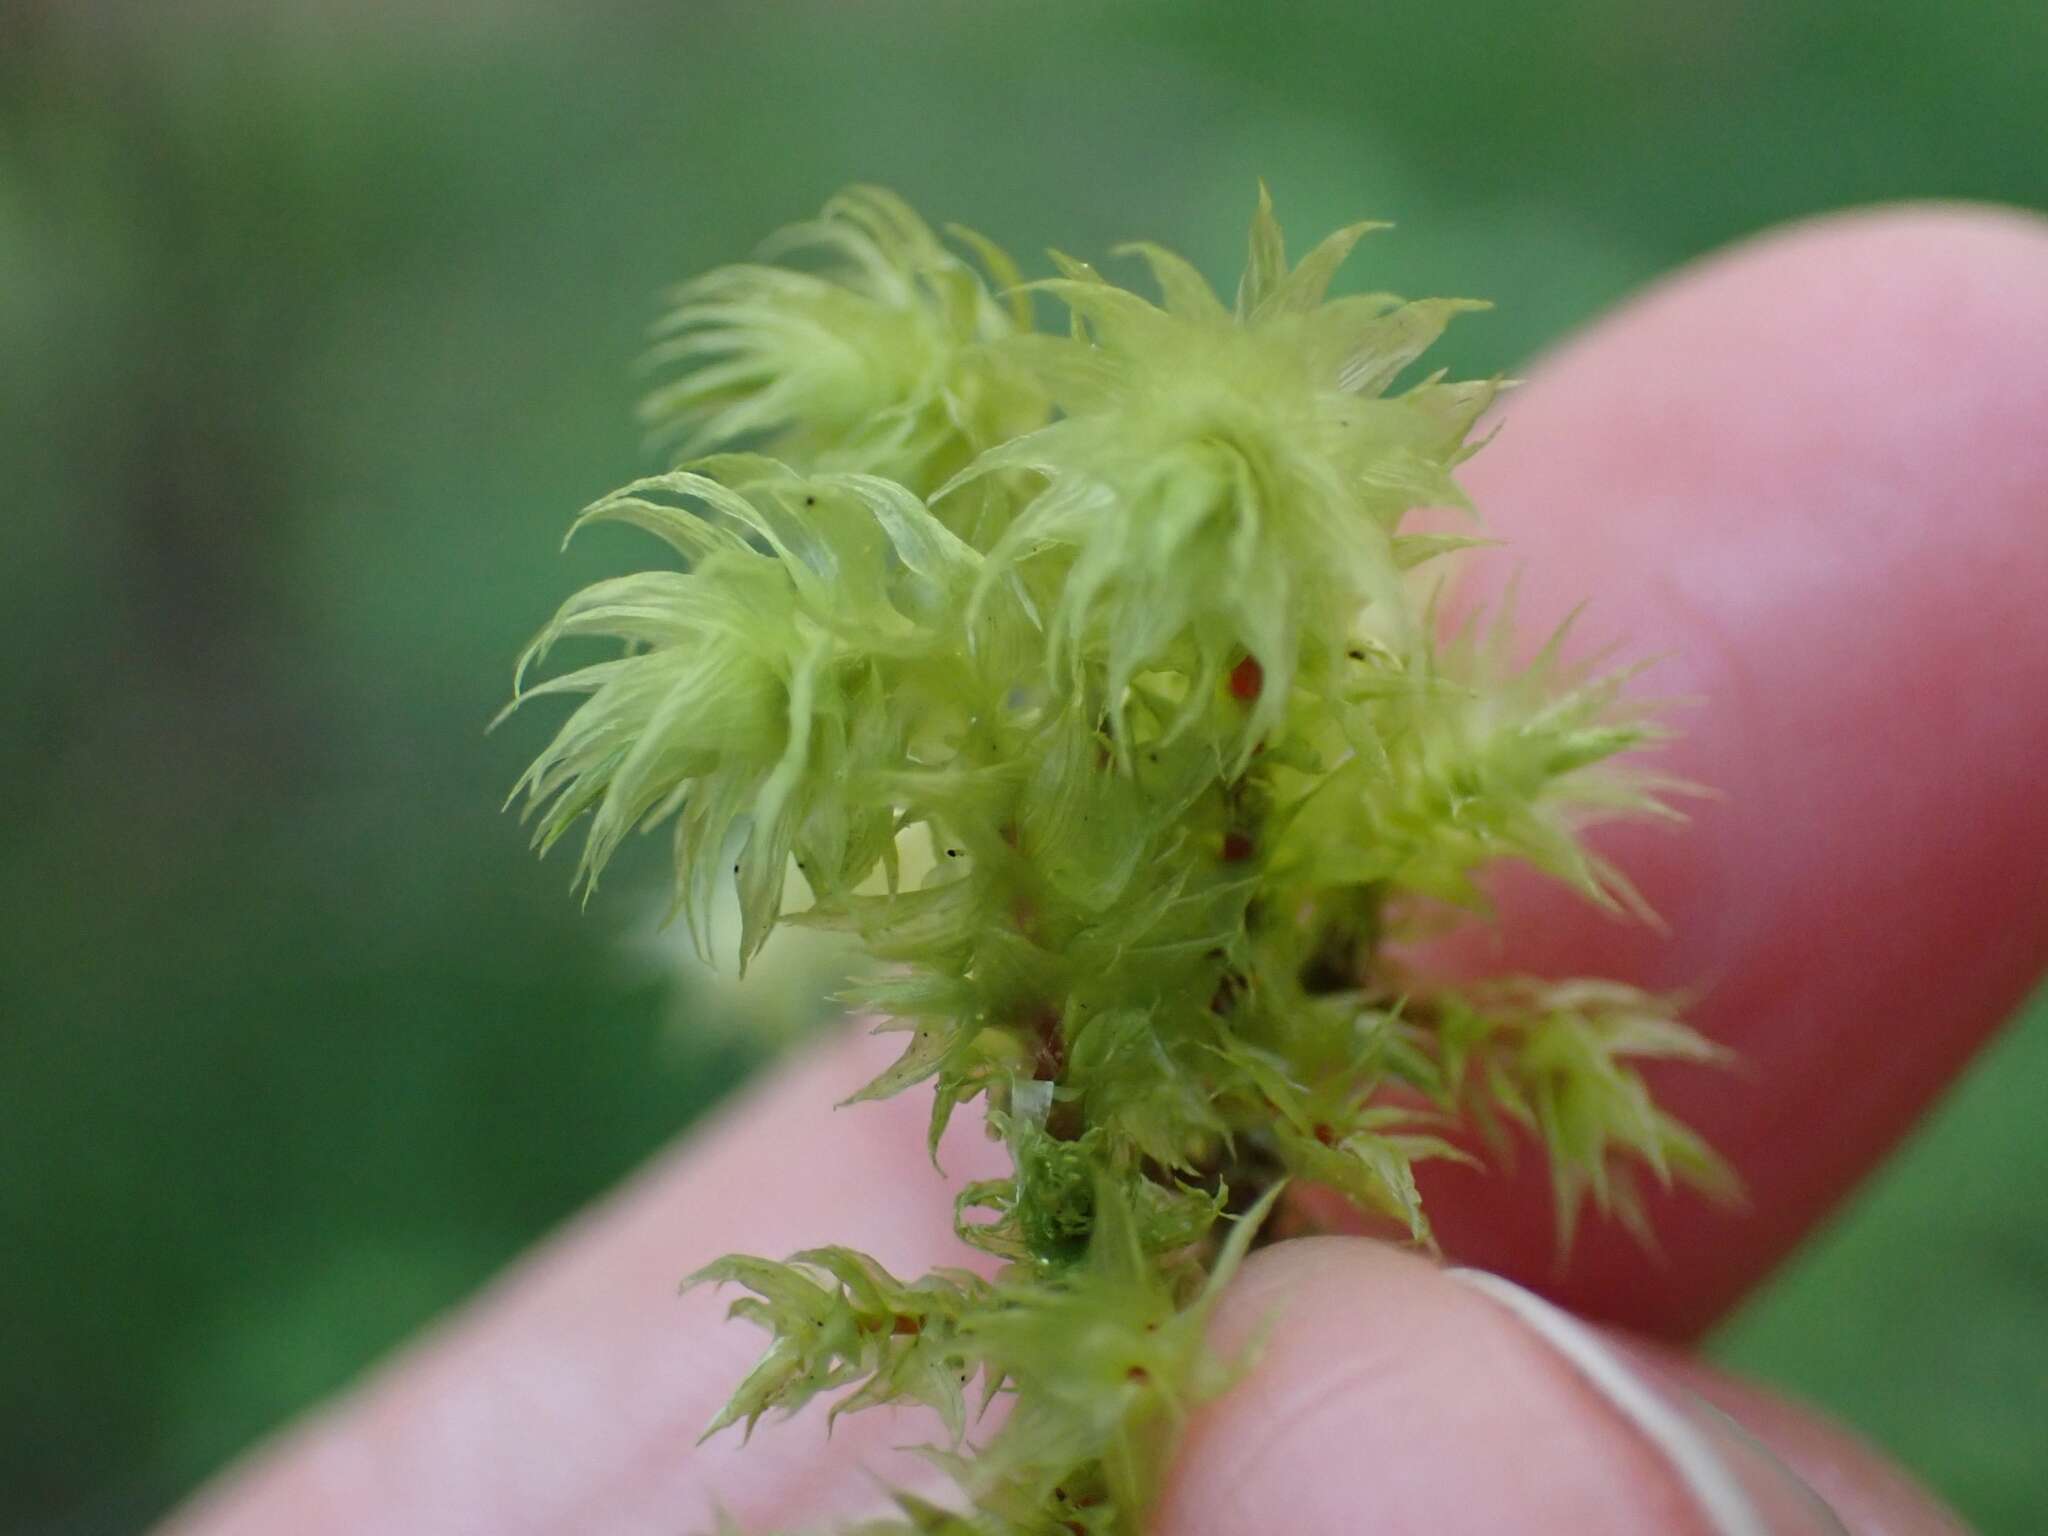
(1123,634)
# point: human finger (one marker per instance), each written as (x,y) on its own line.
(1810,474)
(1388,1396)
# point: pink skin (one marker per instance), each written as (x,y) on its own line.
(1812,471)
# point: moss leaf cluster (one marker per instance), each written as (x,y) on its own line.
(1091,677)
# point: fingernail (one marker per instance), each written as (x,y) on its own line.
(1738,1486)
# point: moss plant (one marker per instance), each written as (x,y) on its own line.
(1112,630)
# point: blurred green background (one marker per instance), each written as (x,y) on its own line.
(315,322)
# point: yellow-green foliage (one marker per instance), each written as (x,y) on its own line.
(878,358)
(1120,626)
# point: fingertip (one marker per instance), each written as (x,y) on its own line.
(1810,472)
(1867,1492)
(1386,1394)
(1385,1397)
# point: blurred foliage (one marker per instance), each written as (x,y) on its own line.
(311,327)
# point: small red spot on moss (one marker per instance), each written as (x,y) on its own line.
(1326,1136)
(1237,847)
(907,1327)
(1246,679)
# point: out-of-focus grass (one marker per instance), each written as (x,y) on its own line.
(314,324)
